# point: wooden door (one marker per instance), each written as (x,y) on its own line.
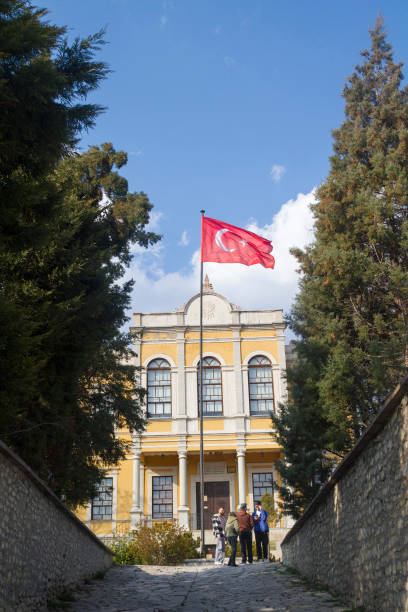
(218,496)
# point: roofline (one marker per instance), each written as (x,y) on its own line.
(175,313)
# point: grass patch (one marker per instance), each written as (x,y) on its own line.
(63,601)
(66,596)
(99,575)
(58,605)
(313,586)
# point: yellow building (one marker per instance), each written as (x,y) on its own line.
(243,383)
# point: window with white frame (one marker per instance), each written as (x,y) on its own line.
(162,495)
(102,502)
(212,387)
(262,482)
(158,389)
(261,397)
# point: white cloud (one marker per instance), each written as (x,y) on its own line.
(185,239)
(154,220)
(153,251)
(230,62)
(217,30)
(251,287)
(277,172)
(164,17)
(150,254)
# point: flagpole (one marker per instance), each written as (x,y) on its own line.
(200,399)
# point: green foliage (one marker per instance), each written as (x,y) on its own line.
(85,385)
(162,544)
(67,228)
(268,504)
(43,82)
(303,431)
(126,552)
(310,584)
(351,312)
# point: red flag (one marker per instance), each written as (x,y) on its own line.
(225,243)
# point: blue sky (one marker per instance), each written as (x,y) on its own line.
(225,105)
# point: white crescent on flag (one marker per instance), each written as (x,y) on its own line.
(218,240)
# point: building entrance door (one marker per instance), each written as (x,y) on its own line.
(216,495)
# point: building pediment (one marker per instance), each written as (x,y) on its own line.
(216,310)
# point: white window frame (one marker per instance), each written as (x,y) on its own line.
(173,381)
(275,377)
(170,471)
(112,473)
(261,468)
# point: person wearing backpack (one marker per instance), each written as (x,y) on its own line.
(232,533)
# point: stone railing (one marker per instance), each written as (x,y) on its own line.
(44,548)
(354,535)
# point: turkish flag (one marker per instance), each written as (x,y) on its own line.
(225,243)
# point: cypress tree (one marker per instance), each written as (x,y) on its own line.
(43,85)
(85,387)
(67,225)
(353,299)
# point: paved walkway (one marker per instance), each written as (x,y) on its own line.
(259,587)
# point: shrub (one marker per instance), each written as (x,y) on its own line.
(162,544)
(268,504)
(126,552)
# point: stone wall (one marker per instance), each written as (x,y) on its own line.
(354,535)
(44,548)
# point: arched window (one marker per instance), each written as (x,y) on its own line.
(158,389)
(212,387)
(261,398)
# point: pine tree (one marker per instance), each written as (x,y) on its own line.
(303,432)
(85,385)
(67,228)
(353,300)
(43,83)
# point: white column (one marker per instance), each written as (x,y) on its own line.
(181,375)
(113,472)
(239,400)
(241,476)
(142,490)
(135,511)
(183,509)
(282,368)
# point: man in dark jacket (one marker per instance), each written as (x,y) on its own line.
(261,529)
(245,533)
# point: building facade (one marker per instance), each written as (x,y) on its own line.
(243,383)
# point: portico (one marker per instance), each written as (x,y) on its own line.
(228,478)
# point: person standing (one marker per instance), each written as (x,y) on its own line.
(245,533)
(232,533)
(218,523)
(261,529)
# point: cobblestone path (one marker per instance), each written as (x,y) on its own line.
(259,587)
